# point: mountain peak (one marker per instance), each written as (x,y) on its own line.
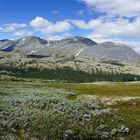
(4,40)
(113,44)
(32,39)
(80,39)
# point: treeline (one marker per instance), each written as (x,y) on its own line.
(68,74)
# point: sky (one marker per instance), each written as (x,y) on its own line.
(99,20)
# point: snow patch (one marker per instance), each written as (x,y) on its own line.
(23,39)
(78,53)
(33,51)
(5,48)
(48,43)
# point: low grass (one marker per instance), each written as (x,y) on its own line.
(129,111)
(116,89)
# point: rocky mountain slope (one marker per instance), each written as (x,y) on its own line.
(68,56)
(112,51)
(7,45)
(77,46)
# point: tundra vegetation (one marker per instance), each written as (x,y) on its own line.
(41,110)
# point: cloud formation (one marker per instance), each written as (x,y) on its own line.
(117,28)
(22,33)
(12,27)
(92,24)
(58,37)
(121,8)
(43,25)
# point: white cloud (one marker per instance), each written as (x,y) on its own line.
(92,24)
(122,8)
(12,27)
(116,28)
(58,37)
(23,33)
(134,45)
(43,25)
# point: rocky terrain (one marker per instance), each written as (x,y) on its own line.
(75,53)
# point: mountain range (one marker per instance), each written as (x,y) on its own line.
(78,53)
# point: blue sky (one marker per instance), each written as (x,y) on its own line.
(26,10)
(100,20)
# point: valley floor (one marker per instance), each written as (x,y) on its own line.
(35,109)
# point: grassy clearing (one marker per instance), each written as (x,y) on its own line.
(116,89)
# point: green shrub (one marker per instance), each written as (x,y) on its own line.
(68,74)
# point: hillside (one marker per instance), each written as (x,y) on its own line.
(72,59)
